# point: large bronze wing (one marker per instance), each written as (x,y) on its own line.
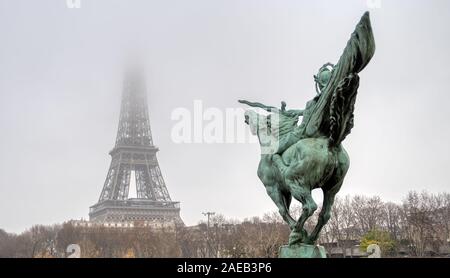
(332,116)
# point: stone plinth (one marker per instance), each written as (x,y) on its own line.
(302,251)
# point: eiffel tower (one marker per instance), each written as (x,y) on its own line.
(134,161)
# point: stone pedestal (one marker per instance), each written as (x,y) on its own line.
(302,251)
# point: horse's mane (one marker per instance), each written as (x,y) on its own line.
(287,128)
(342,105)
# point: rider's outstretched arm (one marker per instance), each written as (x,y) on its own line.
(259,105)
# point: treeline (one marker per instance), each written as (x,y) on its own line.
(419,226)
(254,238)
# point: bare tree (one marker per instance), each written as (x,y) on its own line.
(421,223)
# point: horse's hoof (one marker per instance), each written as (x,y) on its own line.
(297,237)
(309,241)
(294,238)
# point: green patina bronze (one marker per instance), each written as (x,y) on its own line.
(295,159)
(301,250)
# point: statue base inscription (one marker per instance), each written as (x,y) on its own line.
(302,251)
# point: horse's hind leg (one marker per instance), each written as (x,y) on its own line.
(330,189)
(282,201)
(325,213)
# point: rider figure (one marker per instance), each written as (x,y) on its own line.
(288,119)
(287,123)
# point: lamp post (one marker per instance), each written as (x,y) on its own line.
(208,214)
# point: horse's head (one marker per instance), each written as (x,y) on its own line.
(266,128)
(252,119)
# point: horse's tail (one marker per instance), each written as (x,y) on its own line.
(341,110)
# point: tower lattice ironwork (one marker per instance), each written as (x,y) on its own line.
(134,156)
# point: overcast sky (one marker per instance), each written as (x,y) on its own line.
(61,80)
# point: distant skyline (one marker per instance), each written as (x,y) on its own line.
(61,77)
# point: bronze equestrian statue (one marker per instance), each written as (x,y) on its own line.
(295,159)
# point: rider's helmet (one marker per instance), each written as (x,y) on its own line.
(323,77)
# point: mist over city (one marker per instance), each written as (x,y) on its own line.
(127,112)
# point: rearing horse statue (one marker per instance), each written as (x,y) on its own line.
(295,159)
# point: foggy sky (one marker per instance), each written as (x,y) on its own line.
(61,80)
